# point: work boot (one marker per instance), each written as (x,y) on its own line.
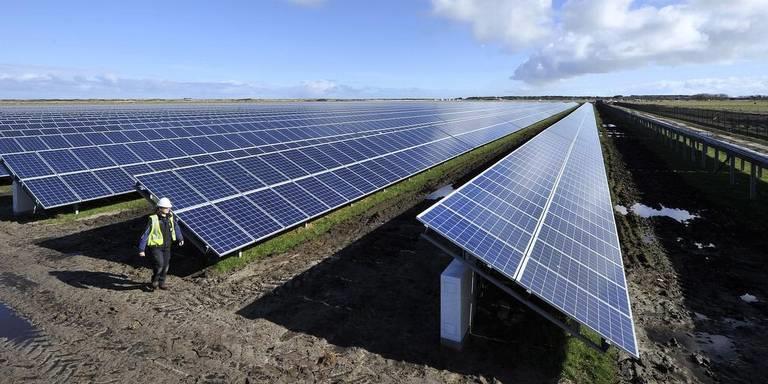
(154,285)
(163,286)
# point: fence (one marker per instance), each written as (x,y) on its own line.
(743,123)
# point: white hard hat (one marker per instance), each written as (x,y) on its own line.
(164,203)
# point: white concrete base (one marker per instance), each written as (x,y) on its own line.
(22,202)
(456,298)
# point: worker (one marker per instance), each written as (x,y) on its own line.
(162,230)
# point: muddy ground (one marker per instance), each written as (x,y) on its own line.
(686,278)
(362,303)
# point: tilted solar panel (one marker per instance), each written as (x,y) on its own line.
(285,188)
(542,216)
(141,157)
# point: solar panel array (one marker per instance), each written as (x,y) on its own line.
(33,129)
(229,204)
(87,157)
(542,216)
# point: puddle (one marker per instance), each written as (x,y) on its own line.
(440,192)
(734,323)
(702,245)
(13,327)
(715,345)
(748,298)
(700,316)
(643,210)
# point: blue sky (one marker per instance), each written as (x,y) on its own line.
(395,48)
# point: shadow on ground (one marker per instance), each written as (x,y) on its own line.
(118,243)
(105,280)
(382,294)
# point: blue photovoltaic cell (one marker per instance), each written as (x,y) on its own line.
(86,185)
(267,174)
(237,176)
(9,145)
(352,178)
(252,219)
(206,182)
(280,209)
(54,142)
(321,191)
(31,143)
(92,157)
(145,151)
(339,185)
(167,184)
(77,140)
(220,232)
(287,167)
(184,162)
(303,200)
(62,161)
(161,165)
(543,217)
(50,191)
(116,179)
(27,165)
(120,154)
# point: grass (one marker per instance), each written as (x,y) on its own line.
(756,106)
(96,210)
(414,186)
(583,364)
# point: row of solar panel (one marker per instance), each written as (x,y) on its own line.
(49,162)
(234,203)
(132,132)
(95,112)
(10,125)
(542,216)
(94,176)
(161,149)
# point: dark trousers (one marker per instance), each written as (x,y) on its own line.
(162,258)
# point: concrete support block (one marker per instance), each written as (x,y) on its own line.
(23,203)
(456,297)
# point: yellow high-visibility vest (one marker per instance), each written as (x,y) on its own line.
(156,234)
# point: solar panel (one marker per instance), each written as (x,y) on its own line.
(291,186)
(542,216)
(154,154)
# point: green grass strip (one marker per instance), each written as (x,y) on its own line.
(98,210)
(582,364)
(419,184)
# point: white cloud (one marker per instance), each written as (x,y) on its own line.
(599,36)
(29,82)
(735,86)
(515,23)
